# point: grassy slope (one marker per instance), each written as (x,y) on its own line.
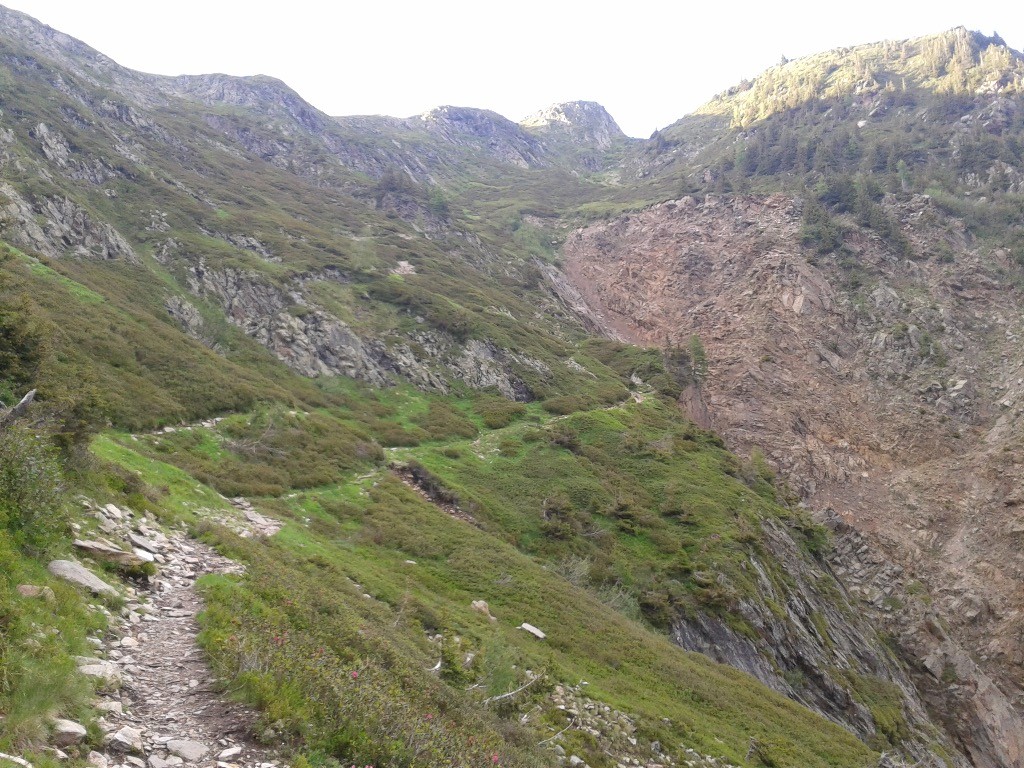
(652,508)
(362,532)
(140,365)
(649,501)
(38,678)
(44,621)
(202,195)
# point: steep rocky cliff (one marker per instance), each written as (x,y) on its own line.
(813,645)
(882,387)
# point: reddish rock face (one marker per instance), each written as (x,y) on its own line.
(885,388)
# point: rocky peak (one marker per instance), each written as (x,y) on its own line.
(978,41)
(502,138)
(586,123)
(22,35)
(261,92)
(477,122)
(47,40)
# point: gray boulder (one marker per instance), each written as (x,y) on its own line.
(67,733)
(125,740)
(106,673)
(80,576)
(103,551)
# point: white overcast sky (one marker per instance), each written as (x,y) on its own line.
(648,62)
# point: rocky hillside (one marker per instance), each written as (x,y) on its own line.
(569,448)
(860,322)
(80,139)
(873,400)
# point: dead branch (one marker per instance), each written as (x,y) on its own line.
(552,738)
(259,444)
(510,694)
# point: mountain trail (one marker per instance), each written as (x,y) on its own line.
(169,709)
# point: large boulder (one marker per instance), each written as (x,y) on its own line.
(111,554)
(79,575)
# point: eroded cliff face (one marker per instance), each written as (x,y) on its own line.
(886,389)
(816,645)
(314,342)
(959,693)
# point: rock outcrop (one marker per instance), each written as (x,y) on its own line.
(188,316)
(56,226)
(316,343)
(965,699)
(304,337)
(814,645)
(586,123)
(616,733)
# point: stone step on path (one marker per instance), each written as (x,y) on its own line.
(168,709)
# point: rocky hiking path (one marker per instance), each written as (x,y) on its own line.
(162,707)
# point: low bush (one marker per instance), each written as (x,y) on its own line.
(497,412)
(32,504)
(442,421)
